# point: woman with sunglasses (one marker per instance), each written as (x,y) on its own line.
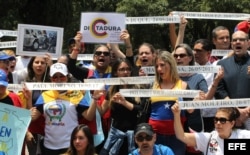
(224,122)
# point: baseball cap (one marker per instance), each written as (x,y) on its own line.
(243,26)
(3,78)
(144,128)
(4,56)
(58,68)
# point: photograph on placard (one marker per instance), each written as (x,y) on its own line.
(33,40)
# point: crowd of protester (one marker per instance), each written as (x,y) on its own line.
(168,130)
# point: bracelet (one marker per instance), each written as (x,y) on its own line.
(128,47)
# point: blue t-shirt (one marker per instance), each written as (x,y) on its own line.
(158,150)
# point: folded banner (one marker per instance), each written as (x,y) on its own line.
(155,93)
(14,122)
(214,103)
(64,86)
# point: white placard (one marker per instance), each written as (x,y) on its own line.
(216,52)
(8,33)
(8,44)
(213,15)
(102,27)
(122,80)
(153,20)
(88,57)
(157,93)
(186,69)
(214,103)
(64,86)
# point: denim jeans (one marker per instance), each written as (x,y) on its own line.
(115,141)
(171,141)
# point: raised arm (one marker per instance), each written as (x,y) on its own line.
(187,138)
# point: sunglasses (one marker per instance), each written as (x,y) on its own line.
(105,53)
(221,120)
(141,138)
(180,55)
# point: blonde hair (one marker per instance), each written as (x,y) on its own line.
(167,57)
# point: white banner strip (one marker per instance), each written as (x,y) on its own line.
(220,52)
(8,44)
(88,57)
(214,103)
(8,33)
(186,69)
(15,87)
(213,15)
(122,80)
(198,69)
(157,93)
(152,20)
(64,86)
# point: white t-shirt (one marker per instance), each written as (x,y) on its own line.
(216,144)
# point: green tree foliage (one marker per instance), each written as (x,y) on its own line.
(67,13)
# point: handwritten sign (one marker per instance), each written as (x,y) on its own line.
(13,126)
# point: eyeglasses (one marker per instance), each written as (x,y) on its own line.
(61,77)
(221,120)
(105,53)
(141,138)
(124,69)
(180,55)
(239,39)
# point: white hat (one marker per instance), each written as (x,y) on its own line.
(58,68)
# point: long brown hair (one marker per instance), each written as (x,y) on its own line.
(90,150)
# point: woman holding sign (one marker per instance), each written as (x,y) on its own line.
(61,109)
(123,113)
(213,142)
(161,117)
